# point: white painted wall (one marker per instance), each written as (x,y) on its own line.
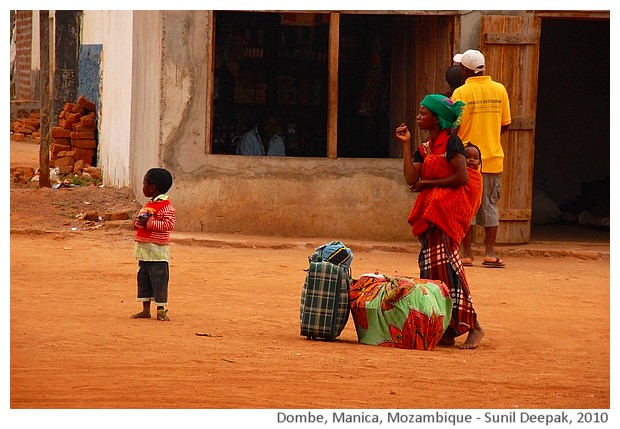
(145,149)
(35,55)
(93,27)
(114,30)
(129,122)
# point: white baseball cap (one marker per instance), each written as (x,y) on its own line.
(472,59)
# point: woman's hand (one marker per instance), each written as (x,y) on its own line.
(419,185)
(402,133)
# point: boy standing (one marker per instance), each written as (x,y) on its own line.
(153,225)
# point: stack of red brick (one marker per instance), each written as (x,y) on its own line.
(29,126)
(73,140)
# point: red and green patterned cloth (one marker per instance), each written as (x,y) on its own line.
(399,311)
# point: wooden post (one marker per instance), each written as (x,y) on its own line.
(46,134)
(332,89)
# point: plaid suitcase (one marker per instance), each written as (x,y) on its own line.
(324,309)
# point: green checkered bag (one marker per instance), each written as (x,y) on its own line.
(324,309)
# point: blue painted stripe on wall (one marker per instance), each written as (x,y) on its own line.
(90,72)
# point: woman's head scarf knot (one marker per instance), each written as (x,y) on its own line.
(447,111)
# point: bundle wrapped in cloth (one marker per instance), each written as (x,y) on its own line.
(399,311)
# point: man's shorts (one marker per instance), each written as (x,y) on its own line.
(488,213)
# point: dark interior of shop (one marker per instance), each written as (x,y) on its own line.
(275,62)
(364,86)
(572,149)
(278,62)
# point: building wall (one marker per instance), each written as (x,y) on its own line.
(89,76)
(94,24)
(114,31)
(91,55)
(26,64)
(470,26)
(145,149)
(23,54)
(301,197)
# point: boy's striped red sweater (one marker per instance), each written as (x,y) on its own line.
(160,223)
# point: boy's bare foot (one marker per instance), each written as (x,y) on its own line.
(473,338)
(161,315)
(141,315)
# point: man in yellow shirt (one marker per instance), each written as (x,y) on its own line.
(485,117)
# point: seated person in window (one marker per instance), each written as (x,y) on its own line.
(262,140)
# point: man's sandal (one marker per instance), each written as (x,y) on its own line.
(495,263)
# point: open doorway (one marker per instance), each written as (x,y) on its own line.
(571,165)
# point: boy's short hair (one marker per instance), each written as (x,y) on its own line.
(160,177)
(453,77)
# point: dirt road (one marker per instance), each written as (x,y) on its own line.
(233,340)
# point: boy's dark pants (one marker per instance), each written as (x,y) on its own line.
(153,282)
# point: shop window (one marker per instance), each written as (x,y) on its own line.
(274,62)
(278,62)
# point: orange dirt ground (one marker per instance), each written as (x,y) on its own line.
(73,346)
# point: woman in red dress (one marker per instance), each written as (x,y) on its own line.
(449,196)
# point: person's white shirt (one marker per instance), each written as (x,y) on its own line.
(251,144)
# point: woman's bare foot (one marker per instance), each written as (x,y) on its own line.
(473,338)
(141,315)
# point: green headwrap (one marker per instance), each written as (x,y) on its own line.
(448,112)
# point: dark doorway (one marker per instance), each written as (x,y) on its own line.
(571,166)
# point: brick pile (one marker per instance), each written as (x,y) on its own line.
(27,127)
(73,146)
(73,140)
